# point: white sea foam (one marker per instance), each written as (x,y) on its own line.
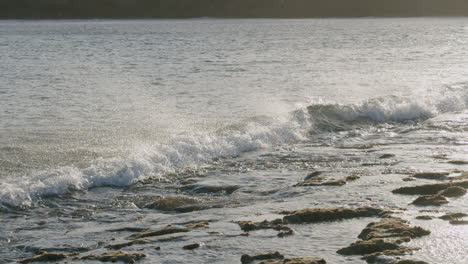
(157,159)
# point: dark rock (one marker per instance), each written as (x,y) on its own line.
(428,189)
(315,215)
(277,224)
(408,179)
(352,178)
(127,244)
(369,246)
(458,222)
(197,224)
(387,156)
(375,257)
(313,175)
(47,256)
(384,238)
(431,175)
(458,162)
(430,200)
(452,216)
(171,203)
(159,232)
(453,191)
(191,246)
(199,188)
(424,217)
(410,261)
(114,256)
(302,260)
(391,228)
(248,258)
(289,232)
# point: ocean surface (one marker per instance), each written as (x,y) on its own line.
(99,117)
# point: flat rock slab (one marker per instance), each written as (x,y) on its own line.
(159,232)
(429,189)
(384,238)
(430,200)
(453,191)
(303,260)
(431,175)
(391,228)
(114,256)
(316,215)
(47,256)
(245,259)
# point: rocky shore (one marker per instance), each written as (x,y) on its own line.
(381,241)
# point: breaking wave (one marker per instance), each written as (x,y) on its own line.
(182,151)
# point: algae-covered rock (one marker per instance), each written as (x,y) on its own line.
(391,228)
(384,238)
(430,200)
(302,260)
(277,225)
(171,203)
(386,156)
(47,256)
(250,258)
(316,215)
(452,216)
(431,175)
(159,232)
(370,246)
(127,244)
(410,261)
(453,191)
(191,246)
(424,217)
(114,256)
(429,189)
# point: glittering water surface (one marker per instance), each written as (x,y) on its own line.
(99,118)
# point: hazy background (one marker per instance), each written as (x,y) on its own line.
(56,9)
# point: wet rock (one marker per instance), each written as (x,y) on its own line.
(458,222)
(248,258)
(377,256)
(429,189)
(452,216)
(431,175)
(114,256)
(391,228)
(191,246)
(424,217)
(371,246)
(352,178)
(408,179)
(315,215)
(458,162)
(171,203)
(199,188)
(430,200)
(196,224)
(128,229)
(453,191)
(127,244)
(289,232)
(384,238)
(302,260)
(313,175)
(277,225)
(159,232)
(387,156)
(47,256)
(410,261)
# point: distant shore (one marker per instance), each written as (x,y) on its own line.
(141,9)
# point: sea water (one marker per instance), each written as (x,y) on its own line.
(96,116)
